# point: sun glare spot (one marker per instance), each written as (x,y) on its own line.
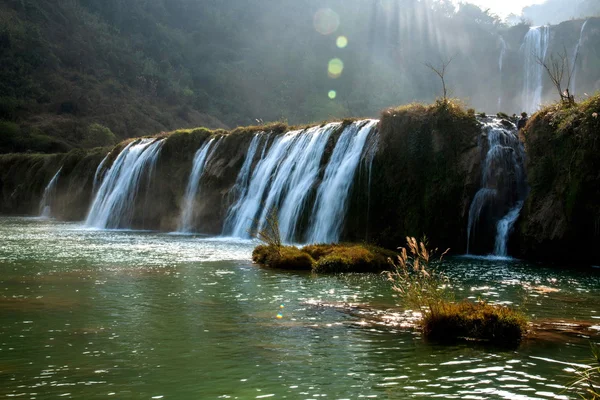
(335,68)
(341,42)
(326,21)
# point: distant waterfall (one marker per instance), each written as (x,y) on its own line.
(48,197)
(113,205)
(534,48)
(332,196)
(500,65)
(186,221)
(290,177)
(573,67)
(503,187)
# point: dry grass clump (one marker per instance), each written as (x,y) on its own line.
(425,289)
(494,324)
(588,379)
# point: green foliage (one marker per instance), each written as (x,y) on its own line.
(425,289)
(98,136)
(145,66)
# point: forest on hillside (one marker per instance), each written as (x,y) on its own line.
(87,73)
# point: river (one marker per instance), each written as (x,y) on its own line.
(143,315)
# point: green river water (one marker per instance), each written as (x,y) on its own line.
(141,315)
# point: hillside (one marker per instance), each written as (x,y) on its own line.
(87,73)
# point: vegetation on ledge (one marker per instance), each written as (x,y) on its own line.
(425,289)
(324,258)
(562,212)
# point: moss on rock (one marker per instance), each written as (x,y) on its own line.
(324,258)
(561,217)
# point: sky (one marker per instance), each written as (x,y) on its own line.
(504,7)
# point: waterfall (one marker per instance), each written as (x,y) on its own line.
(503,186)
(332,197)
(504,228)
(282,179)
(113,205)
(100,173)
(202,156)
(572,86)
(48,197)
(500,62)
(240,188)
(244,212)
(297,175)
(534,48)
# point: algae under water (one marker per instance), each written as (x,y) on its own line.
(100,314)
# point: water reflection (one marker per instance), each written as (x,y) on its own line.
(127,314)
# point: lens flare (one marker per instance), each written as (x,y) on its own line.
(335,68)
(341,42)
(326,21)
(332,94)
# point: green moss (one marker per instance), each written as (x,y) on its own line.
(562,213)
(285,257)
(425,156)
(494,324)
(324,258)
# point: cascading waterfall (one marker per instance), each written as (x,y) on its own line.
(282,179)
(295,178)
(289,175)
(573,87)
(332,196)
(246,208)
(240,188)
(534,48)
(113,205)
(202,156)
(503,187)
(48,197)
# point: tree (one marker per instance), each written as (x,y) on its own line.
(558,68)
(441,72)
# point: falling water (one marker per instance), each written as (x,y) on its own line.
(113,205)
(282,179)
(100,171)
(48,197)
(534,48)
(186,221)
(297,175)
(332,196)
(504,228)
(573,86)
(503,185)
(248,205)
(240,189)
(500,63)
